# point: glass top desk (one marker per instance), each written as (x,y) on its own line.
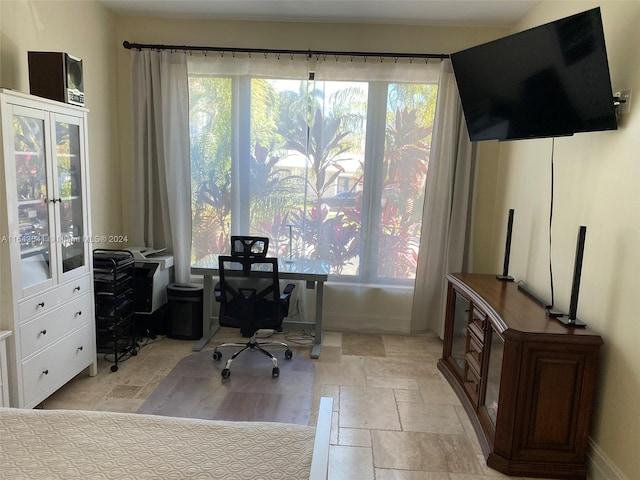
(314,272)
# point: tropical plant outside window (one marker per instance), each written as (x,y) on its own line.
(326,169)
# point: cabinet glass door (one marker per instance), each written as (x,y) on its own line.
(459,333)
(494,373)
(34,219)
(68,151)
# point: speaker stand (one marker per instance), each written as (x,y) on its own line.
(571,323)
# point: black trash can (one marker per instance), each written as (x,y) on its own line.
(185,311)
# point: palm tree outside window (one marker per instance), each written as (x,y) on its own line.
(340,164)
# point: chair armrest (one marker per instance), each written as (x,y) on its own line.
(286,293)
(289,288)
(284,298)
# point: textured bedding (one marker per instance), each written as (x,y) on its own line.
(88,445)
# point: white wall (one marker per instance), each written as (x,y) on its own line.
(596,184)
(85,30)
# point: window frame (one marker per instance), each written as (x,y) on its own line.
(373,179)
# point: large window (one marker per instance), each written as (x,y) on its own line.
(325,169)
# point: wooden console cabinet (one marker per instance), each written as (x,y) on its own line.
(526,382)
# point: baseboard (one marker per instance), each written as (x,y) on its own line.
(600,466)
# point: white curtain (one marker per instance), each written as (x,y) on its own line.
(161,197)
(446,232)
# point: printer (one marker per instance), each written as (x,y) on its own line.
(153,273)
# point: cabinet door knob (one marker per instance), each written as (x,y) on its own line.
(77,289)
(78,313)
(45,372)
(43,332)
(41,304)
(80,348)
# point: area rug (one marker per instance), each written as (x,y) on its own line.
(195,389)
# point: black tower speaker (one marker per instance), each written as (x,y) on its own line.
(507,251)
(57,76)
(571,320)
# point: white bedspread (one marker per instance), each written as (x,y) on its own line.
(87,445)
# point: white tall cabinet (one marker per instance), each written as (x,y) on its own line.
(46,281)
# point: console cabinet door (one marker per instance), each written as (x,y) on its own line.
(494,358)
(459,313)
(551,420)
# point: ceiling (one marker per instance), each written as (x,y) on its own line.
(417,12)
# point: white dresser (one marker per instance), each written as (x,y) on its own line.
(4,387)
(46,279)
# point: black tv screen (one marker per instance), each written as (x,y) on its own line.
(548,81)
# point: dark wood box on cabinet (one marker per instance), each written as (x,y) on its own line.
(526,382)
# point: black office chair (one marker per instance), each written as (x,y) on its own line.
(245,246)
(250,298)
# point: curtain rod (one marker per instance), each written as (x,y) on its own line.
(266,51)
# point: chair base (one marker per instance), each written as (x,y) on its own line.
(252,344)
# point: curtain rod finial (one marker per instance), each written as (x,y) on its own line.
(126,44)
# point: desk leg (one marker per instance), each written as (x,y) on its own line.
(209,328)
(317,344)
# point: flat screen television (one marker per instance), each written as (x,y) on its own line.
(551,80)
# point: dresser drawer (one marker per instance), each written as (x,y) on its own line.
(48,370)
(48,300)
(46,329)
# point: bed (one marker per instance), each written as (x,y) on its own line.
(94,445)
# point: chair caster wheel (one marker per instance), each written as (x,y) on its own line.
(275,372)
(114,368)
(217,355)
(288,354)
(226,373)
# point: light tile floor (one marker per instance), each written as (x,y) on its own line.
(395,417)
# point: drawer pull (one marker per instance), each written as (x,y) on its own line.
(41,304)
(43,332)
(45,372)
(78,313)
(77,289)
(80,348)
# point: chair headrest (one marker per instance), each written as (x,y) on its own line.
(246,246)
